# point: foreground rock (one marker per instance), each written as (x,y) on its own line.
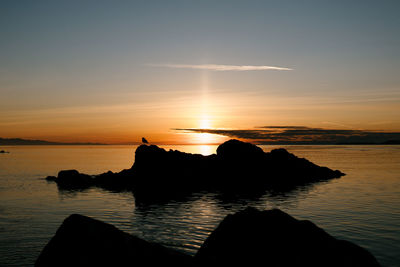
(274,238)
(236,166)
(82,241)
(247,238)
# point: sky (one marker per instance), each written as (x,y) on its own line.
(114,71)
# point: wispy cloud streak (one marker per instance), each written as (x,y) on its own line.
(218,67)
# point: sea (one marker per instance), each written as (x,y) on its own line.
(362,207)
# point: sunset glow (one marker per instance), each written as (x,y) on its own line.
(96,79)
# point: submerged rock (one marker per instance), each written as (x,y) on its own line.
(274,238)
(51,178)
(237,166)
(83,241)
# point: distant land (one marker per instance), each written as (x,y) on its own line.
(389,142)
(24,142)
(392,142)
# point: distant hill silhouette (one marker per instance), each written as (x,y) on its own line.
(24,142)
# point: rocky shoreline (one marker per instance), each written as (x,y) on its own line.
(247,238)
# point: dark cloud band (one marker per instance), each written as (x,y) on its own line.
(304,135)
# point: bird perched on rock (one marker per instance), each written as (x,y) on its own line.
(144,141)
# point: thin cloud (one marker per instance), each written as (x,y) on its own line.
(218,67)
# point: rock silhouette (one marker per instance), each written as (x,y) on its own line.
(274,238)
(83,241)
(247,238)
(73,179)
(237,166)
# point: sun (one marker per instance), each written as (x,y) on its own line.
(205,122)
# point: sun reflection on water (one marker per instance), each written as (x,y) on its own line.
(204,138)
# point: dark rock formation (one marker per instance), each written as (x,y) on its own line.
(247,238)
(274,238)
(235,150)
(71,179)
(82,241)
(237,166)
(3,152)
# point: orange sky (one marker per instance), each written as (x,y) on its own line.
(156,118)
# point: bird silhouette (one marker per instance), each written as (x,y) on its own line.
(144,141)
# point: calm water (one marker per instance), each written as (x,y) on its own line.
(363,206)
